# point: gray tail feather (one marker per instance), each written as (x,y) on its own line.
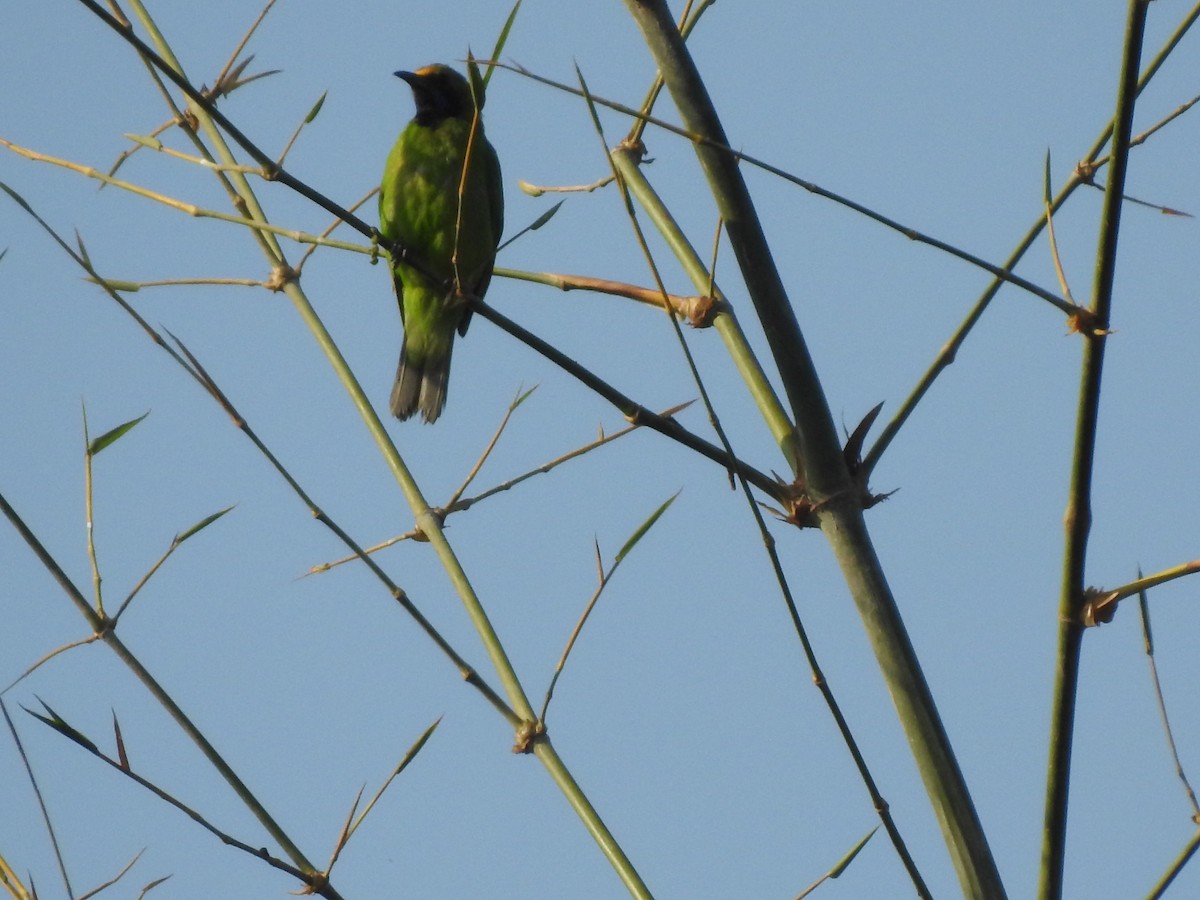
(420,386)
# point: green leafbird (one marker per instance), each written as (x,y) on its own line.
(442,201)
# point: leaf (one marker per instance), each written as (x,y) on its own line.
(417,745)
(199,526)
(849,857)
(537,223)
(1046,196)
(401,766)
(121,756)
(20,201)
(522,397)
(152,885)
(478,82)
(839,868)
(312,113)
(643,528)
(852,453)
(546,216)
(84,259)
(587,96)
(114,284)
(114,435)
(55,721)
(502,40)
(99,889)
(152,143)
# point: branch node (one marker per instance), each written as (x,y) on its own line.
(528,735)
(1099,607)
(281,276)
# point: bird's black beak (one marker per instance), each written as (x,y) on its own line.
(410,77)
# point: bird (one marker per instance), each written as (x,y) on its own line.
(441,201)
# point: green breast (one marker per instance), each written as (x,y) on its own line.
(419,201)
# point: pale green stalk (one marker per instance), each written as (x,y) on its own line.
(1078,518)
(824,472)
(725,322)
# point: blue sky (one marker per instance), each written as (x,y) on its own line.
(686,711)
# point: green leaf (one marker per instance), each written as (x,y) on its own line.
(84,259)
(643,528)
(852,453)
(55,721)
(522,397)
(587,96)
(417,745)
(122,757)
(19,199)
(312,113)
(152,885)
(478,82)
(546,216)
(502,40)
(114,435)
(403,764)
(849,857)
(152,142)
(199,526)
(114,284)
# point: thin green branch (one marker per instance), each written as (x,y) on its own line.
(603,581)
(1184,857)
(409,756)
(116,878)
(90,522)
(1078,518)
(491,445)
(352,822)
(1099,606)
(688,19)
(840,867)
(1161,702)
